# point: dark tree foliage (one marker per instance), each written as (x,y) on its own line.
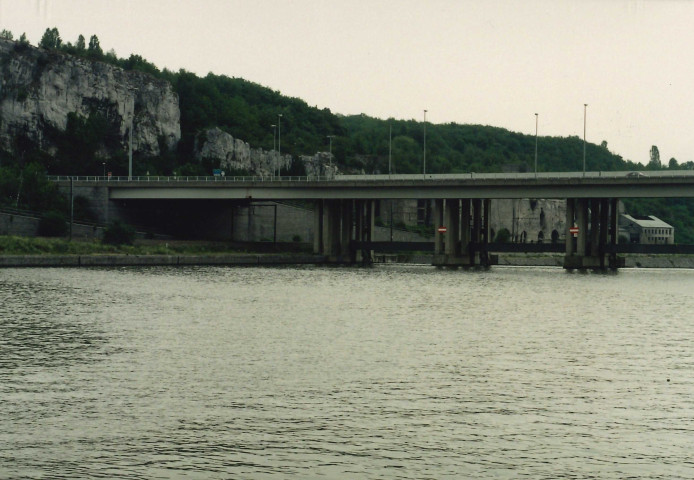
(119,233)
(51,39)
(52,224)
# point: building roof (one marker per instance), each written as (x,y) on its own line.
(647,221)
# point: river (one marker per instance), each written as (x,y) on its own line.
(314,372)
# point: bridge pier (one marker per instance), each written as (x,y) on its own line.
(591,243)
(465,241)
(344,229)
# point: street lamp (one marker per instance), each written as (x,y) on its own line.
(536,119)
(585,107)
(104,165)
(279,140)
(274,145)
(424,160)
(330,154)
(390,148)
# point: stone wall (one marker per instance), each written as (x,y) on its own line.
(28,226)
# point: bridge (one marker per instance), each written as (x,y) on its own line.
(344,205)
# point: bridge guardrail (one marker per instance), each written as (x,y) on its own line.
(380,177)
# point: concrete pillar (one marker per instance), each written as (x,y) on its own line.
(452,222)
(570,209)
(465,234)
(318,227)
(347,231)
(582,222)
(369,226)
(476,230)
(438,221)
(604,226)
(331,228)
(594,227)
(614,221)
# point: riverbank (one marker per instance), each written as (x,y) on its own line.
(51,252)
(262,259)
(156,260)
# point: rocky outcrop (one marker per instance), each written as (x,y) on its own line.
(234,155)
(319,165)
(39,88)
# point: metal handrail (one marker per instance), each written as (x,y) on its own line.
(378,177)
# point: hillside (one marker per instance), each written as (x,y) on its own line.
(92,134)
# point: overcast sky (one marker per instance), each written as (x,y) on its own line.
(490,62)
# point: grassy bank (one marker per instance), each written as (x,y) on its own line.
(11,245)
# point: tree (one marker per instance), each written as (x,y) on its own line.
(6,34)
(80,45)
(51,39)
(672,164)
(94,49)
(23,39)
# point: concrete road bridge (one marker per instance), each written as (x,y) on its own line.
(344,205)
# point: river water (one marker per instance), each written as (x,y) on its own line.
(389,372)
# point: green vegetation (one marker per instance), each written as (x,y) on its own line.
(118,233)
(247,111)
(12,245)
(53,224)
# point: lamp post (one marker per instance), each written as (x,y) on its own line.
(104,165)
(330,153)
(274,144)
(424,159)
(390,149)
(585,107)
(130,153)
(279,140)
(536,120)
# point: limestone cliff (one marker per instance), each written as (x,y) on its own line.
(39,88)
(233,154)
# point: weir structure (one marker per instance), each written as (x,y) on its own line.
(344,206)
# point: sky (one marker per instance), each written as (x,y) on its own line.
(488,62)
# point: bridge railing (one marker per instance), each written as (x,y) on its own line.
(632,175)
(184,178)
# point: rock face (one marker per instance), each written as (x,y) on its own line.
(39,88)
(233,154)
(319,165)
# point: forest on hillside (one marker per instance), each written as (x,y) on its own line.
(360,143)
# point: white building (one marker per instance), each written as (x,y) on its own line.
(646,229)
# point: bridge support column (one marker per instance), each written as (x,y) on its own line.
(591,244)
(570,211)
(476,230)
(318,227)
(485,258)
(347,254)
(452,222)
(331,229)
(365,224)
(438,222)
(465,229)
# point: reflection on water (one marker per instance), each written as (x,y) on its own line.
(393,372)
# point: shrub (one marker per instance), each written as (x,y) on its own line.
(52,224)
(119,233)
(503,236)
